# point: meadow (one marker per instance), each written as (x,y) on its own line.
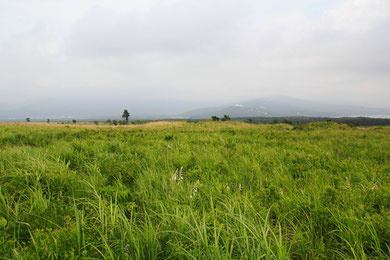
(206,190)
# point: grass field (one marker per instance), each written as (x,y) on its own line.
(194,190)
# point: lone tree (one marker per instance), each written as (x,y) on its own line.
(27,119)
(126,115)
(215,118)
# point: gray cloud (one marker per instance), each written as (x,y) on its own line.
(193,26)
(223,50)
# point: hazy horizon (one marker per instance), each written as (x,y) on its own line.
(155,109)
(194,52)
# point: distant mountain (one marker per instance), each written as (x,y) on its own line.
(101,108)
(281,106)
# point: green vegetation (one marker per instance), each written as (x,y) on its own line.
(225,118)
(210,190)
(215,118)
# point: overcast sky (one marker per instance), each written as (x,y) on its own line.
(336,50)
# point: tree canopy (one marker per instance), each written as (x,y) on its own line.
(126,115)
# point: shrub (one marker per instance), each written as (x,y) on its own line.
(225,118)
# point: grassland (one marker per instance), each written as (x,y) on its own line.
(194,190)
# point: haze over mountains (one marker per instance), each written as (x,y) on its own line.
(281,106)
(275,106)
(97,108)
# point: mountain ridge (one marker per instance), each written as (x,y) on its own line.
(111,108)
(281,106)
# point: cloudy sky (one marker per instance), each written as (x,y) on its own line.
(224,50)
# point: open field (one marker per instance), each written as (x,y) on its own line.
(207,190)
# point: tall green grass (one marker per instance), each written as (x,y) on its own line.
(224,190)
